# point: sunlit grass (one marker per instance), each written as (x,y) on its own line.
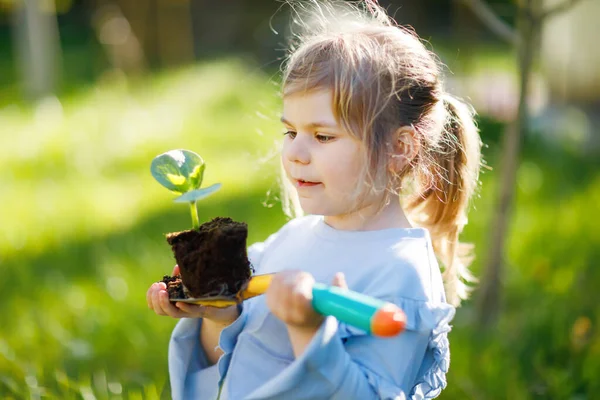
(82,167)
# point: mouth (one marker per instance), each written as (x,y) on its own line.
(302,183)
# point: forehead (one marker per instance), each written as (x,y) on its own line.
(305,107)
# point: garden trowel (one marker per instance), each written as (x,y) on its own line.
(372,315)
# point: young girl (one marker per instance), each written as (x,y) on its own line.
(367,120)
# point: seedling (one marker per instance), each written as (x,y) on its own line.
(211,257)
(182,171)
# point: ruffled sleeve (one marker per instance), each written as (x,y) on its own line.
(343,362)
(433,318)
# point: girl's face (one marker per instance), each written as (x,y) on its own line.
(320,158)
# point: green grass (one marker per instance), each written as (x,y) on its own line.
(83,223)
(546,343)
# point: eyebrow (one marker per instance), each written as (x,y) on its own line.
(316,124)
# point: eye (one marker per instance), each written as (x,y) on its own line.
(291,134)
(324,138)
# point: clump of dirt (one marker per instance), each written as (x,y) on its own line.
(174,286)
(212,260)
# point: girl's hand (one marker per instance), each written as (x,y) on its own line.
(289,298)
(157,298)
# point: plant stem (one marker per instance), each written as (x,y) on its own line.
(221,387)
(194,211)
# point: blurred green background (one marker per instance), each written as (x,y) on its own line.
(82,222)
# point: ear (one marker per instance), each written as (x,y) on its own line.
(404,148)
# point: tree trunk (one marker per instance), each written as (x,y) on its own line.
(490,298)
(37,45)
(216,26)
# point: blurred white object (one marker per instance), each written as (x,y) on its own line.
(571,53)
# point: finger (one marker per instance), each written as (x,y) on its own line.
(168,307)
(270,294)
(289,277)
(176,270)
(149,294)
(277,284)
(303,287)
(277,295)
(299,297)
(159,292)
(156,302)
(339,280)
(301,293)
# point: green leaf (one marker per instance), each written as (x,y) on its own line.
(178,170)
(198,194)
(196,176)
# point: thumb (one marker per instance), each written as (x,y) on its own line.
(175,270)
(340,281)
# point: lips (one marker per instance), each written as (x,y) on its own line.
(305,183)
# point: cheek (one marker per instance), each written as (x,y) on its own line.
(345,166)
(283,155)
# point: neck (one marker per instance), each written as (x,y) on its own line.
(368,219)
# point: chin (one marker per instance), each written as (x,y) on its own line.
(317,209)
(311,210)
(310,207)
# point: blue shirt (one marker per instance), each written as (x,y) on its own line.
(341,362)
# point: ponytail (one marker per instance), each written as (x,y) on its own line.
(441,206)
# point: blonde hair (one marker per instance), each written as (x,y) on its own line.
(383,78)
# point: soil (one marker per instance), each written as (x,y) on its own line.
(174,286)
(212,260)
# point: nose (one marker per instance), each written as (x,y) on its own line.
(297,150)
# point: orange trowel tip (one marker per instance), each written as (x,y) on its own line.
(389,320)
